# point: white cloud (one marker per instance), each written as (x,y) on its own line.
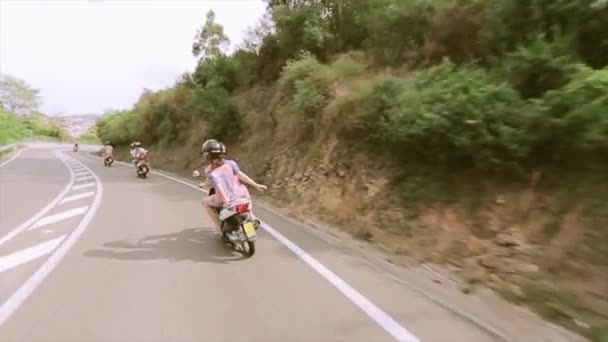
(86,56)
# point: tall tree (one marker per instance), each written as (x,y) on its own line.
(210,40)
(16,96)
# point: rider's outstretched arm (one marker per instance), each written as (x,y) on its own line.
(246,179)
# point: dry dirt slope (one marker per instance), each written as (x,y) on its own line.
(539,240)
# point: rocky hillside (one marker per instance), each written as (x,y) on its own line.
(461,132)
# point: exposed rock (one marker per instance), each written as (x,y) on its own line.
(528,268)
(514,290)
(489,261)
(501,200)
(507,239)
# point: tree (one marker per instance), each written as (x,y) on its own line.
(254,36)
(210,39)
(16,96)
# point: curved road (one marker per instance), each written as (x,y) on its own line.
(90,253)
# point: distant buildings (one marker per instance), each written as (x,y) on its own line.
(77,125)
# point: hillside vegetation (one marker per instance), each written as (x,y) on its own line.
(468,133)
(19,116)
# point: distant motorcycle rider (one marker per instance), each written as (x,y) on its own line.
(138,152)
(226,177)
(108,150)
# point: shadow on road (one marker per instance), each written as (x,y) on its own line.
(195,244)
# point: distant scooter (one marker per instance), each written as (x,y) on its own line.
(75,149)
(142,167)
(108,161)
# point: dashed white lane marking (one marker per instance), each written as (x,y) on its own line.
(82,186)
(80,179)
(31,253)
(64,215)
(16,231)
(77,197)
(392,327)
(81,173)
(13,302)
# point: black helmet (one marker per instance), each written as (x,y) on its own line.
(213,149)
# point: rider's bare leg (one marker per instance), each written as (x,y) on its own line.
(209,203)
(213,215)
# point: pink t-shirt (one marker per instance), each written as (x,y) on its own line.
(226,182)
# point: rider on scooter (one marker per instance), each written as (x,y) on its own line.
(226,177)
(108,150)
(138,153)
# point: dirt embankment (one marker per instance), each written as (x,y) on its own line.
(540,241)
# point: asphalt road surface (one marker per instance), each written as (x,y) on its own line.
(92,253)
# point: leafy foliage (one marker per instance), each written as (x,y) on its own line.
(15,127)
(536,68)
(574,118)
(515,83)
(16,96)
(210,39)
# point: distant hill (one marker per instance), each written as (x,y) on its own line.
(76,125)
(80,117)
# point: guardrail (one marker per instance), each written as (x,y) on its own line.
(7,147)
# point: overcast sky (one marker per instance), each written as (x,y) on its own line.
(88,56)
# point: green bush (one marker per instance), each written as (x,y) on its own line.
(40,125)
(511,23)
(117,127)
(220,111)
(574,119)
(12,128)
(458,113)
(15,127)
(309,82)
(371,106)
(537,68)
(299,69)
(345,67)
(395,27)
(217,72)
(311,95)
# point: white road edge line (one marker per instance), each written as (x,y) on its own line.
(41,213)
(14,301)
(28,254)
(77,197)
(64,215)
(391,326)
(13,157)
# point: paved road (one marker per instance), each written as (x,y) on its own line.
(90,253)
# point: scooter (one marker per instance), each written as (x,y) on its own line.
(108,161)
(75,148)
(142,168)
(238,225)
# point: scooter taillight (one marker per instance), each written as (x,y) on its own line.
(242,208)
